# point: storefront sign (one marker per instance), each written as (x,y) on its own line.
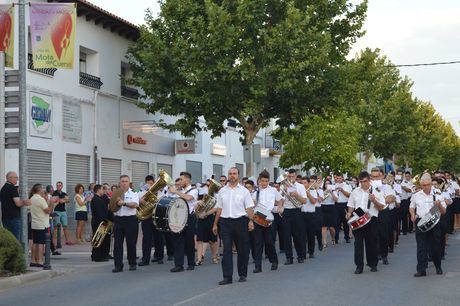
(147,142)
(218,149)
(185,146)
(40,115)
(7,33)
(72,125)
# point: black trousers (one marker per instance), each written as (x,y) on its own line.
(234,231)
(450,217)
(147,237)
(342,221)
(184,243)
(263,236)
(294,229)
(443,225)
(431,241)
(102,251)
(383,221)
(319,225)
(405,220)
(159,241)
(125,227)
(278,229)
(367,235)
(310,231)
(252,245)
(392,227)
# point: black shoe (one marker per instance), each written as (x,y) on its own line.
(347,240)
(117,269)
(109,257)
(430,259)
(439,271)
(225,282)
(311,256)
(190,268)
(320,247)
(100,260)
(420,274)
(373,269)
(359,271)
(143,263)
(404,234)
(155,260)
(443,258)
(390,250)
(132,267)
(160,262)
(257,270)
(385,261)
(170,258)
(274,266)
(56,253)
(242,279)
(289,261)
(300,260)
(177,269)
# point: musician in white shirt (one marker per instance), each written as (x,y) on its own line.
(293,222)
(234,217)
(420,205)
(369,200)
(184,242)
(391,199)
(341,195)
(329,213)
(146,225)
(384,214)
(407,187)
(265,197)
(437,184)
(125,226)
(309,214)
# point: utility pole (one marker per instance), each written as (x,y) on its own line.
(23,123)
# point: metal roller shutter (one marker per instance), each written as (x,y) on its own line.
(240,168)
(195,169)
(77,172)
(166,167)
(217,170)
(110,171)
(38,168)
(140,170)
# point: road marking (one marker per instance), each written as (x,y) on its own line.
(191,299)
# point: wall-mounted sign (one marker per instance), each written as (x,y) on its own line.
(218,149)
(7,33)
(136,140)
(72,125)
(265,152)
(40,112)
(185,146)
(147,142)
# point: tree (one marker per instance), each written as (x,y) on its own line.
(328,143)
(251,60)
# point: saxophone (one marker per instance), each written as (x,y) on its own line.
(284,186)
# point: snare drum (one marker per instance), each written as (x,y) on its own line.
(429,220)
(357,222)
(170,215)
(263,217)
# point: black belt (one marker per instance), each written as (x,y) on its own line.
(233,218)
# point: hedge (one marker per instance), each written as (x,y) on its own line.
(12,258)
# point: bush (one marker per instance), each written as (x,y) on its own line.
(12,258)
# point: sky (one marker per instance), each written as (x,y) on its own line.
(406,31)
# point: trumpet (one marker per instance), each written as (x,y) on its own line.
(105,228)
(284,186)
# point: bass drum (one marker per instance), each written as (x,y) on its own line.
(170,215)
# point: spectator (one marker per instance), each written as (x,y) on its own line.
(11,205)
(81,212)
(54,200)
(39,211)
(60,210)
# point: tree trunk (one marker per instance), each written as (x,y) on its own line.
(367,156)
(250,135)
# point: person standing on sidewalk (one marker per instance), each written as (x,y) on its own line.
(60,210)
(11,205)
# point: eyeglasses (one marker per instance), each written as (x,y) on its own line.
(222,180)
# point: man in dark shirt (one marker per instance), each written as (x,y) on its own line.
(100,212)
(11,205)
(60,211)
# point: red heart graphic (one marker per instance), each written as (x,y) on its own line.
(60,34)
(5,31)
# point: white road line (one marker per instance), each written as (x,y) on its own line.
(191,299)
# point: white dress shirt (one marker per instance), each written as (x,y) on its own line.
(340,195)
(360,197)
(422,202)
(309,207)
(389,191)
(404,194)
(194,193)
(320,195)
(329,200)
(267,198)
(130,197)
(300,189)
(234,201)
(453,186)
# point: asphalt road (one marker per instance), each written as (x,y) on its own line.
(327,279)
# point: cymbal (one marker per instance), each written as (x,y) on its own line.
(118,193)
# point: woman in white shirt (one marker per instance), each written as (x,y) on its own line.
(39,211)
(329,213)
(81,212)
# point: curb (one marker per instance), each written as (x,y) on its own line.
(18,280)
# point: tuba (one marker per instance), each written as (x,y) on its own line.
(145,210)
(105,228)
(284,185)
(209,201)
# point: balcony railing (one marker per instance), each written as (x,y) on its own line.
(30,65)
(90,80)
(129,92)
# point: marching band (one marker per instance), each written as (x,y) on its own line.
(250,216)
